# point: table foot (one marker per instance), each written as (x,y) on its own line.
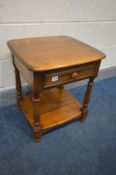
(37,135)
(84,115)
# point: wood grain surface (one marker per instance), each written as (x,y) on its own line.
(56,107)
(53,52)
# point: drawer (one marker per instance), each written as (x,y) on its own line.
(71,74)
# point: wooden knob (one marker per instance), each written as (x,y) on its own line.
(75,75)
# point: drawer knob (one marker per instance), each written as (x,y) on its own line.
(75,75)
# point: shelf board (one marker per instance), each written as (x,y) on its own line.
(56,106)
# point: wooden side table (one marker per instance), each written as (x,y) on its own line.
(47,63)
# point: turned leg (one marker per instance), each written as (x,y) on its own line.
(36,117)
(18,85)
(36,108)
(86,99)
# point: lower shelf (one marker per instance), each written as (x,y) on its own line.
(56,107)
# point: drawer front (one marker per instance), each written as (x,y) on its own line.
(71,74)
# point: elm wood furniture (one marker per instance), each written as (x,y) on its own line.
(47,63)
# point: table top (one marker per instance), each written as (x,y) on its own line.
(53,52)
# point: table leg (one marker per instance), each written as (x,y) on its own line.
(36,108)
(86,99)
(18,85)
(37,128)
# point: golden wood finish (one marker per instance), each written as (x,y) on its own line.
(47,53)
(25,72)
(47,63)
(56,107)
(68,75)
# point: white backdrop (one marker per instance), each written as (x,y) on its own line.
(92,21)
